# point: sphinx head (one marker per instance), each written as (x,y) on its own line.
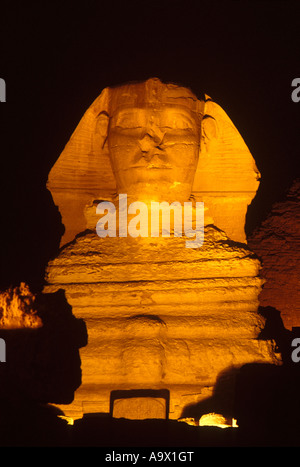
(153,138)
(154,142)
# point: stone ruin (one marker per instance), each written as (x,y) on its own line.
(164,322)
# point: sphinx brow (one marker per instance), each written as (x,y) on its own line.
(129,119)
(182,115)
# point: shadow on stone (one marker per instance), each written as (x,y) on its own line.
(263,398)
(42,367)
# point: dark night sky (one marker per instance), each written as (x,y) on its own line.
(57,57)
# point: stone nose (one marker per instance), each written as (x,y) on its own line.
(152,139)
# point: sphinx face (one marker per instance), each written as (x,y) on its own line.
(154,151)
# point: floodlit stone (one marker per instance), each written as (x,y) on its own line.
(159,315)
(17,308)
(277,243)
(139,408)
(155,140)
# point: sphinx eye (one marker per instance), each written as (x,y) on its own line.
(130,120)
(177,122)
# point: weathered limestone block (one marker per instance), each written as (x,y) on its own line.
(174,319)
(139,408)
(277,243)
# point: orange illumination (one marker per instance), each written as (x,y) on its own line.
(17,309)
(69,420)
(214,419)
(159,314)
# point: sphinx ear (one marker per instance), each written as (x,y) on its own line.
(210,128)
(210,132)
(101,130)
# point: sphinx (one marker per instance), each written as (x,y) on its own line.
(163,321)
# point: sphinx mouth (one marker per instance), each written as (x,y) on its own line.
(155,166)
(151,160)
(152,166)
(152,163)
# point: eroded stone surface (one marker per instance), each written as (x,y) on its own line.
(153,125)
(159,315)
(139,408)
(277,243)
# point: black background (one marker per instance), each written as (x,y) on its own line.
(57,57)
